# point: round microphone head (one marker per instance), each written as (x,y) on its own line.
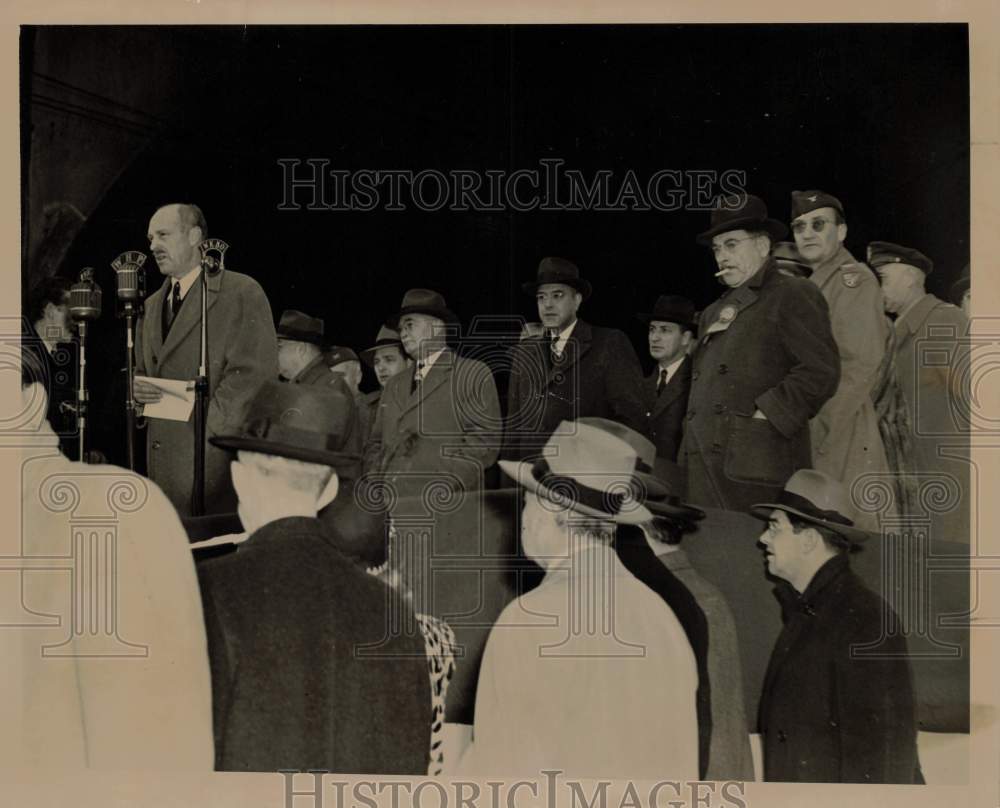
(85,297)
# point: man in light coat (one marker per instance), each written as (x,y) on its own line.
(242,352)
(615,698)
(846,441)
(106,666)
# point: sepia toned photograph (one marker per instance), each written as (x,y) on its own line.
(490,413)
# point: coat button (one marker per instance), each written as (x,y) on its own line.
(781,736)
(690,415)
(723,368)
(718,409)
(694,375)
(156,444)
(717,448)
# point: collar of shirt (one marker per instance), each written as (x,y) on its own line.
(901,317)
(560,344)
(671,369)
(187,281)
(427,362)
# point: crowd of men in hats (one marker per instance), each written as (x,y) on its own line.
(774,400)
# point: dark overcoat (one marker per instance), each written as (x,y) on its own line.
(598,376)
(837,704)
(764,345)
(665,412)
(242,355)
(305,671)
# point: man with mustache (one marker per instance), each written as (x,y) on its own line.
(766,363)
(242,355)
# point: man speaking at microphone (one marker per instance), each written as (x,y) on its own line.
(242,354)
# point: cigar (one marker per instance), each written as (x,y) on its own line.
(721,272)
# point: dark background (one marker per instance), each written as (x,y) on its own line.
(875,114)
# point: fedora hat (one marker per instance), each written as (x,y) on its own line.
(588,470)
(788,258)
(558,270)
(422,301)
(661,478)
(298,421)
(387,337)
(300,327)
(741,212)
(671,309)
(819,499)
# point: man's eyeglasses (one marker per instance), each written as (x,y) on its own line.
(729,245)
(818,225)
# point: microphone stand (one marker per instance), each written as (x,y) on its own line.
(209,265)
(81,393)
(131,288)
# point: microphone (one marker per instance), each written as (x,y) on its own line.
(209,263)
(129,274)
(85,297)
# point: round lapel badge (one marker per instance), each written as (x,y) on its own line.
(727,315)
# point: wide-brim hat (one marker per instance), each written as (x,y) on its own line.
(387,338)
(645,450)
(671,309)
(422,301)
(961,286)
(817,498)
(300,327)
(298,421)
(672,476)
(741,212)
(586,470)
(558,270)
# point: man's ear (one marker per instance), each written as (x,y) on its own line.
(841,231)
(329,492)
(195,236)
(810,538)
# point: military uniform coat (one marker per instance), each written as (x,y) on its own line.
(288,618)
(598,376)
(447,432)
(764,345)
(242,355)
(826,717)
(932,368)
(846,441)
(665,412)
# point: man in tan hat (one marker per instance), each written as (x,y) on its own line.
(440,424)
(766,363)
(829,712)
(615,698)
(846,441)
(572,370)
(931,358)
(387,358)
(289,615)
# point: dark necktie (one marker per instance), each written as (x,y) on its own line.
(662,381)
(554,355)
(417,373)
(175,300)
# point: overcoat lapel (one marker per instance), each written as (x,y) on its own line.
(576,347)
(190,313)
(674,388)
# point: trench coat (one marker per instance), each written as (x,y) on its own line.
(242,355)
(599,376)
(826,717)
(446,433)
(305,674)
(846,441)
(764,345)
(932,365)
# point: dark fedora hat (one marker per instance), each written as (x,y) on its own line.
(817,498)
(298,421)
(788,258)
(671,309)
(558,270)
(299,326)
(387,338)
(422,301)
(741,212)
